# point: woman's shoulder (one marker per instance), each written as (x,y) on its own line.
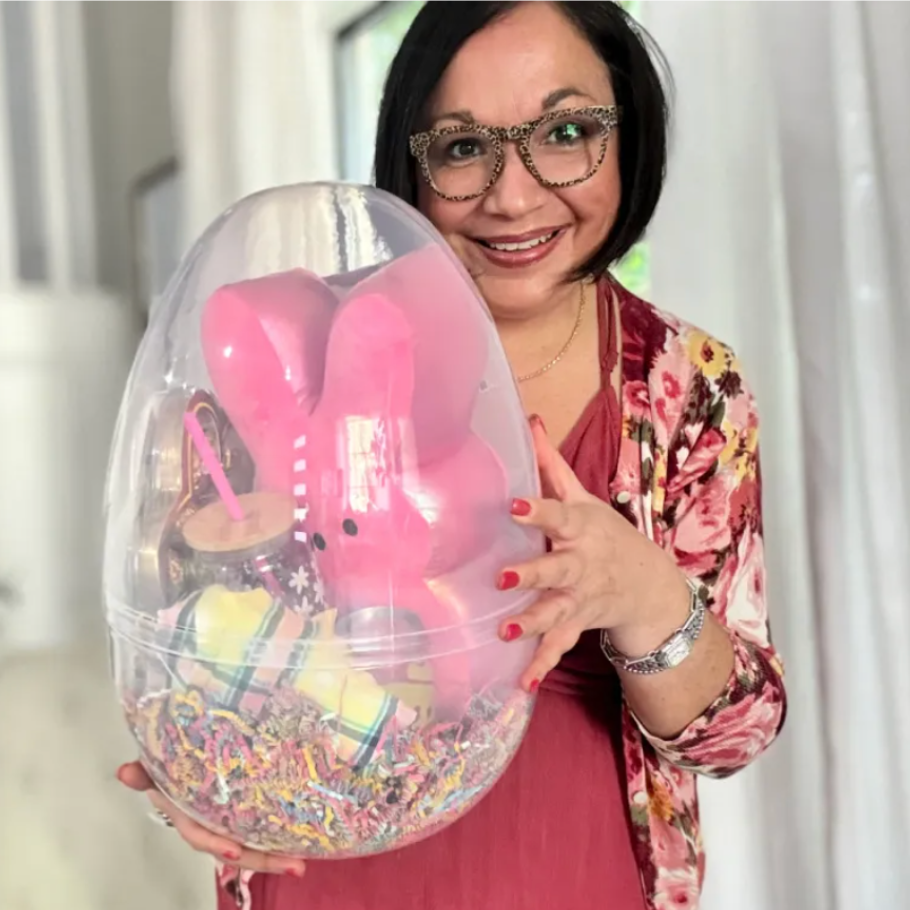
(685,394)
(654,339)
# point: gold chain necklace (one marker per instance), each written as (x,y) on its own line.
(547,367)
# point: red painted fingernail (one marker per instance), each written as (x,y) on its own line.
(535,685)
(521,507)
(513,631)
(536,418)
(231,855)
(507,580)
(296,873)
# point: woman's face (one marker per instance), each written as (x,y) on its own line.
(525,64)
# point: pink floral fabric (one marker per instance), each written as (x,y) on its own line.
(689,478)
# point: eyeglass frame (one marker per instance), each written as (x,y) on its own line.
(609,116)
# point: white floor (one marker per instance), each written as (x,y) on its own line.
(71,837)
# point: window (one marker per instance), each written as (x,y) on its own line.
(155,211)
(364,52)
(633,270)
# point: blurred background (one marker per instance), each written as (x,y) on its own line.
(785,229)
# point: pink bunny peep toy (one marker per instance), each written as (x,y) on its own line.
(362,407)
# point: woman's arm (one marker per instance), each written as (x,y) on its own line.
(726,702)
(666,703)
(609,568)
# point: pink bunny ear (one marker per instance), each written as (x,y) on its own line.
(451,337)
(369,362)
(264,347)
(359,454)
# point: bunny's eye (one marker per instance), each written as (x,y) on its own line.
(349,526)
(319,541)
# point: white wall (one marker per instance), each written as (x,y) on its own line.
(63,362)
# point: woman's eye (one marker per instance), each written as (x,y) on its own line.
(567,133)
(463,149)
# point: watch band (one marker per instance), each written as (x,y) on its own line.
(674,650)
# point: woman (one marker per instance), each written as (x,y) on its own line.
(533,135)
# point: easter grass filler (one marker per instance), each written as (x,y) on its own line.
(278,783)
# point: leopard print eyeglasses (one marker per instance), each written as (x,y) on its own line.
(562,148)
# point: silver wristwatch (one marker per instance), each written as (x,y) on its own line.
(674,650)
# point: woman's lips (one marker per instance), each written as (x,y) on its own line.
(520,250)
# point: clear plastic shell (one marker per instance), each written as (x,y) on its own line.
(307,510)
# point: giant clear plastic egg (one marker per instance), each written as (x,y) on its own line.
(307,511)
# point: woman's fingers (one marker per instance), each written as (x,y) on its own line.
(559,520)
(222,848)
(552,647)
(549,611)
(194,834)
(134,776)
(559,569)
(556,476)
(554,619)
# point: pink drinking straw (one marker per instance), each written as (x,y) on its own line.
(213,466)
(228,496)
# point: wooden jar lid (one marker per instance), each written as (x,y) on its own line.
(267,517)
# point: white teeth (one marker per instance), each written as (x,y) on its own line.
(526,245)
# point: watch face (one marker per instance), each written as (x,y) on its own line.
(675,651)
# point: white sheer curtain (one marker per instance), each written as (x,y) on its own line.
(786,213)
(255,107)
(254,99)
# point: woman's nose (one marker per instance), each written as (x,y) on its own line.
(516,192)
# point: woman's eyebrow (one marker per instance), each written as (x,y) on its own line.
(550,101)
(568,91)
(463,115)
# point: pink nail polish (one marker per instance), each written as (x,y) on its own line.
(508,580)
(231,855)
(521,507)
(293,872)
(513,631)
(535,685)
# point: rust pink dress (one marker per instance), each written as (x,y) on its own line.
(555,832)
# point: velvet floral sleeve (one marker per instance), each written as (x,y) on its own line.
(706,509)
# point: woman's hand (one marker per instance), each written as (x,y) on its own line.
(601,573)
(134,776)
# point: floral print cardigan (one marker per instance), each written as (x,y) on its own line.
(689,478)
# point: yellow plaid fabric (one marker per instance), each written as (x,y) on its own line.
(216,645)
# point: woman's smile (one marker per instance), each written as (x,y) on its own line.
(515,251)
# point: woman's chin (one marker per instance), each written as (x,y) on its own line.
(510,299)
